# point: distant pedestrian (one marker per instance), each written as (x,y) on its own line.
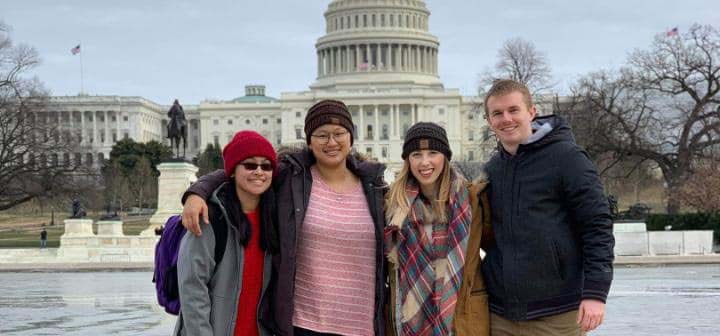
(43,238)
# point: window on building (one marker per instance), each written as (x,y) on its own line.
(196,142)
(364,20)
(230,121)
(369,113)
(486,133)
(216,140)
(384,113)
(373,21)
(216,122)
(354,113)
(114,137)
(125,118)
(247,121)
(298,133)
(369,134)
(471,156)
(441,111)
(279,121)
(90,118)
(102,136)
(54,160)
(471,135)
(89,159)
(66,159)
(278,140)
(126,135)
(101,158)
(471,115)
(194,125)
(101,118)
(382,20)
(385,132)
(113,118)
(369,151)
(264,121)
(384,152)
(78,159)
(298,114)
(405,129)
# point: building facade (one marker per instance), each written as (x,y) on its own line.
(377,56)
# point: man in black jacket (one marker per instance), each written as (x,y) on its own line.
(549,269)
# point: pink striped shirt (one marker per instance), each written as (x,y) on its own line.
(335,274)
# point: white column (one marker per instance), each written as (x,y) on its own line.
(361,125)
(392,121)
(94,136)
(319,63)
(106,129)
(82,127)
(357,57)
(377,57)
(348,59)
(332,60)
(377,124)
(406,58)
(388,56)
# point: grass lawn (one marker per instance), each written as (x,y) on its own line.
(24,231)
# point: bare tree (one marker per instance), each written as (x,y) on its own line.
(701,190)
(662,107)
(32,146)
(519,60)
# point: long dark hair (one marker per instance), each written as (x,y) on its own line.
(269,239)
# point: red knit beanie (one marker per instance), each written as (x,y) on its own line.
(247,144)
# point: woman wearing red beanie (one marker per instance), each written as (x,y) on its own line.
(223,297)
(329,274)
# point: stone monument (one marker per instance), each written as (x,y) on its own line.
(175,178)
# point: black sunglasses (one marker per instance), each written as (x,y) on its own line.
(253,166)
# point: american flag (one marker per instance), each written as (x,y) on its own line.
(363,66)
(75,50)
(672,32)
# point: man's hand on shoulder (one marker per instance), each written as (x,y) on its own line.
(590,314)
(194,208)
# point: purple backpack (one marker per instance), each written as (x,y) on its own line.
(166,257)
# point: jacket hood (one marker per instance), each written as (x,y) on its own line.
(546,130)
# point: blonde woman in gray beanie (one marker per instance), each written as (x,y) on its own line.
(435,226)
(330,272)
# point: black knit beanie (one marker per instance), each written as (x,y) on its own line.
(426,135)
(328,112)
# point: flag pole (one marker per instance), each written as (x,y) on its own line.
(82,89)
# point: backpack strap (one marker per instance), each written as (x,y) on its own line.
(220,229)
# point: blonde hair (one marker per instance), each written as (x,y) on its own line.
(397,206)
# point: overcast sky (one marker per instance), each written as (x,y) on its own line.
(193,50)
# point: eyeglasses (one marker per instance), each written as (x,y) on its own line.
(324,138)
(253,166)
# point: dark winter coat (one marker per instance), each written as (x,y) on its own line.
(552,225)
(292,185)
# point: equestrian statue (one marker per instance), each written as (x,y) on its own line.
(177,128)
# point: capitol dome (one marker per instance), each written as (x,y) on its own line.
(378,42)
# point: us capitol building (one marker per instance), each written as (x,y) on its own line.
(377,56)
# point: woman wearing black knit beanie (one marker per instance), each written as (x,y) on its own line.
(330,272)
(435,225)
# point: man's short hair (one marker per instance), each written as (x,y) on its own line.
(503,87)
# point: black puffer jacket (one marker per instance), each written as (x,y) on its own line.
(553,230)
(292,185)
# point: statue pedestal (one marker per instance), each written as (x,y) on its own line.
(175,178)
(110,228)
(78,228)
